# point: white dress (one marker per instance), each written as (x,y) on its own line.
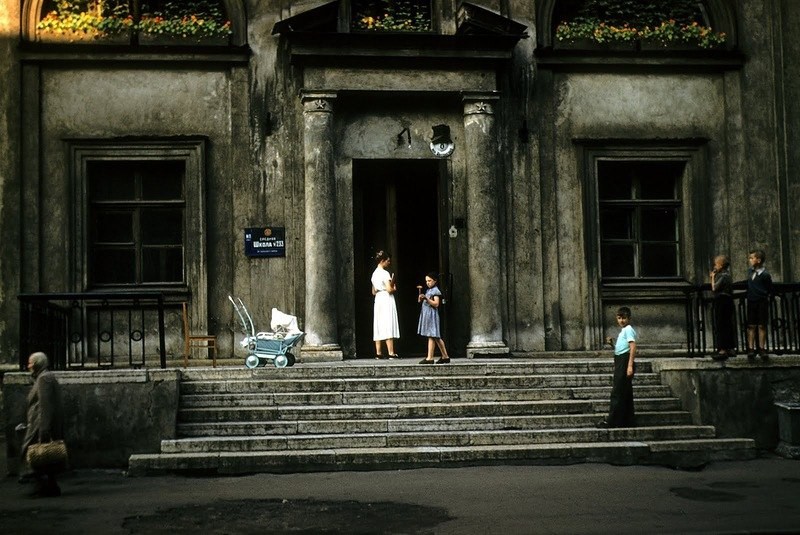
(384,322)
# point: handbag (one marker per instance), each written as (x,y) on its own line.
(47,455)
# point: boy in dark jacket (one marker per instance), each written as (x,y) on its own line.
(759,286)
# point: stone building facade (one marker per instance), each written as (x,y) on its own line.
(581,177)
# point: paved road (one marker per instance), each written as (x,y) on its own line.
(760,496)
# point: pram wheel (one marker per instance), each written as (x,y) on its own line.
(251,361)
(281,361)
(290,359)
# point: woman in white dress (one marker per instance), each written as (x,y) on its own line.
(385,327)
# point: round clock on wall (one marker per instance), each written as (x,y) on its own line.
(441,143)
(442,148)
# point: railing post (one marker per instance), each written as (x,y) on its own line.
(161,336)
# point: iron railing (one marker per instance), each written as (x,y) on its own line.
(105,330)
(783,331)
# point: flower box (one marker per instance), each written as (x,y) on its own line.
(591,44)
(149,39)
(86,38)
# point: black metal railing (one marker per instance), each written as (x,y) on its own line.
(783,332)
(105,330)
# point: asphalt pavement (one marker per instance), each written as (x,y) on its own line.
(759,496)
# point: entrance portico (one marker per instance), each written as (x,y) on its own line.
(355,103)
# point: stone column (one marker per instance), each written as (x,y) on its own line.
(321,318)
(483,233)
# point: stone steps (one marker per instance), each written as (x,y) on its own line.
(251,399)
(680,454)
(227,428)
(380,415)
(414,410)
(409,383)
(432,438)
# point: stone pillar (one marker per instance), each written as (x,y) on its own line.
(483,233)
(321,318)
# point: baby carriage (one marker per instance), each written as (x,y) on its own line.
(268,346)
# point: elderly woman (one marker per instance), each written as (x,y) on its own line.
(45,422)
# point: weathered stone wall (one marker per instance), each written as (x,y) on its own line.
(789,132)
(109,415)
(738,397)
(9,182)
(249,109)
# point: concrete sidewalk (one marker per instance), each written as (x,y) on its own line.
(760,496)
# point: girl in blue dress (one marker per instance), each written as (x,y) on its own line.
(429,320)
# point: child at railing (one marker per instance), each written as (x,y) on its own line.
(759,286)
(724,323)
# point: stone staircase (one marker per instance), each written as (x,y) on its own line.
(366,415)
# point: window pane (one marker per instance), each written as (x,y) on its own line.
(615,181)
(659,260)
(113,227)
(162,181)
(138,203)
(658,180)
(114,265)
(161,264)
(659,224)
(616,223)
(111,181)
(162,227)
(617,260)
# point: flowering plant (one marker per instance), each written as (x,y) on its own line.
(203,20)
(667,33)
(389,23)
(97,22)
(671,32)
(595,30)
(186,26)
(99,19)
(391,16)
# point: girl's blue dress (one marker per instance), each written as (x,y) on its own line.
(429,316)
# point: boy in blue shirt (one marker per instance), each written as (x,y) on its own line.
(621,413)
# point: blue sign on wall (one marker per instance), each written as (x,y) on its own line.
(265,241)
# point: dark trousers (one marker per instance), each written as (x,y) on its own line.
(724,323)
(621,411)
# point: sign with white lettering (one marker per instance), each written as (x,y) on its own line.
(265,241)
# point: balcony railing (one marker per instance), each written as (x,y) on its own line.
(102,330)
(783,331)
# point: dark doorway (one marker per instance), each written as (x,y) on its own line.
(398,208)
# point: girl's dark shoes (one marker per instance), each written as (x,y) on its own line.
(443,361)
(426,361)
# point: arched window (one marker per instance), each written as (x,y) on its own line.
(186,22)
(701,24)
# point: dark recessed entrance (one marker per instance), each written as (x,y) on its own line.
(398,208)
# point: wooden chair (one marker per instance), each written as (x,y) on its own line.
(203,341)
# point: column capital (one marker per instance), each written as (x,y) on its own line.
(317,100)
(479,102)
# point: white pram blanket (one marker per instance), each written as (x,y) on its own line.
(282,325)
(282,321)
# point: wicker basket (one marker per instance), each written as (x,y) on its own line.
(45,455)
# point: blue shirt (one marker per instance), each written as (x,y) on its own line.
(626,335)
